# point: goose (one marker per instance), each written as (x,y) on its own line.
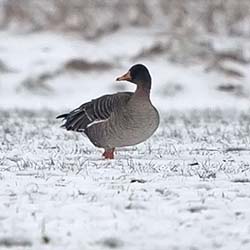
(120,119)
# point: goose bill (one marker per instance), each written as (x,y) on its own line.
(125,77)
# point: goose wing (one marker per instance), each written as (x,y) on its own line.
(97,110)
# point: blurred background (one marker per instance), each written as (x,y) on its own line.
(57,54)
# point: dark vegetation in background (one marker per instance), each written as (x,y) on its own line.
(93,18)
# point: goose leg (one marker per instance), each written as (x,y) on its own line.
(109,153)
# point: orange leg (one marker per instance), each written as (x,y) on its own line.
(109,154)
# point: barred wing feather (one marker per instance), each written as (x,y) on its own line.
(95,111)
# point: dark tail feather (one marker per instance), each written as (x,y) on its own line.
(76,120)
(64,116)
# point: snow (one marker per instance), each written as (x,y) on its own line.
(187,187)
(159,194)
(33,54)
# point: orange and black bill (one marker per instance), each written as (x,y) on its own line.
(125,77)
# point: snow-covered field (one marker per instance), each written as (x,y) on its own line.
(187,187)
(43,70)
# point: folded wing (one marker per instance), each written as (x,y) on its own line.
(95,111)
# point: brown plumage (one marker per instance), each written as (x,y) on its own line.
(121,119)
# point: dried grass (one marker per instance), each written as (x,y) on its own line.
(93,18)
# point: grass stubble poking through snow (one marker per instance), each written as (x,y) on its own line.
(185,188)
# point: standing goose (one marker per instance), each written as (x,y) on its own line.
(118,120)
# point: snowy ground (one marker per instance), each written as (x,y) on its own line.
(185,188)
(35,73)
